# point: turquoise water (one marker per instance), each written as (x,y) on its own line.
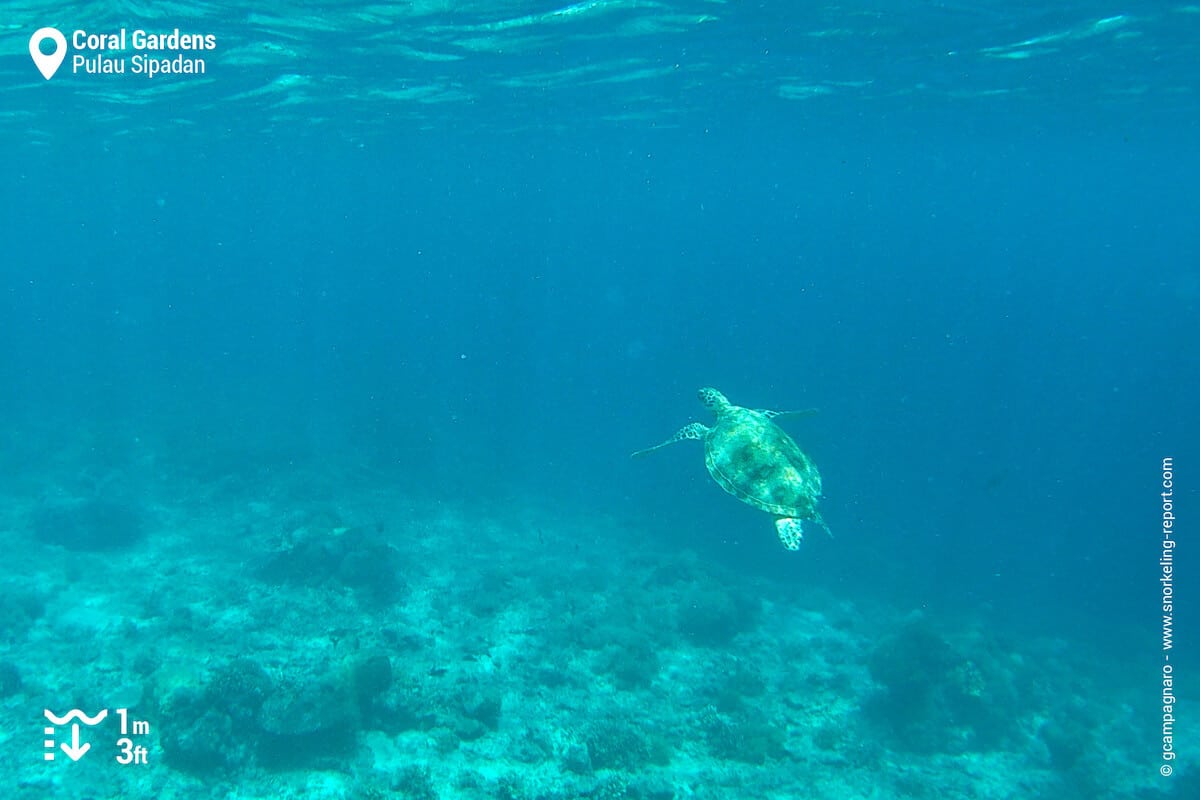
(323,365)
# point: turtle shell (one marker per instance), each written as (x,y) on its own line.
(754,460)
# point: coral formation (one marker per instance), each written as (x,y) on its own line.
(358,558)
(938,696)
(87,524)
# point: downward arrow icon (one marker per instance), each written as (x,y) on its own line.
(73,750)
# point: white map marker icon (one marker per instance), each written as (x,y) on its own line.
(48,64)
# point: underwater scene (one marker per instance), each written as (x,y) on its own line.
(644,399)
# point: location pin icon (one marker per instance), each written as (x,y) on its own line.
(48,64)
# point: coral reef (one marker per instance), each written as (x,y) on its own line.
(458,658)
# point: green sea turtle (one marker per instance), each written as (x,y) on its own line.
(752,458)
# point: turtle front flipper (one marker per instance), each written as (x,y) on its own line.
(693,431)
(804,412)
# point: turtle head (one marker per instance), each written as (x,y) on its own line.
(713,400)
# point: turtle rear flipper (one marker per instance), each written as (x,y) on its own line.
(693,431)
(791,532)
